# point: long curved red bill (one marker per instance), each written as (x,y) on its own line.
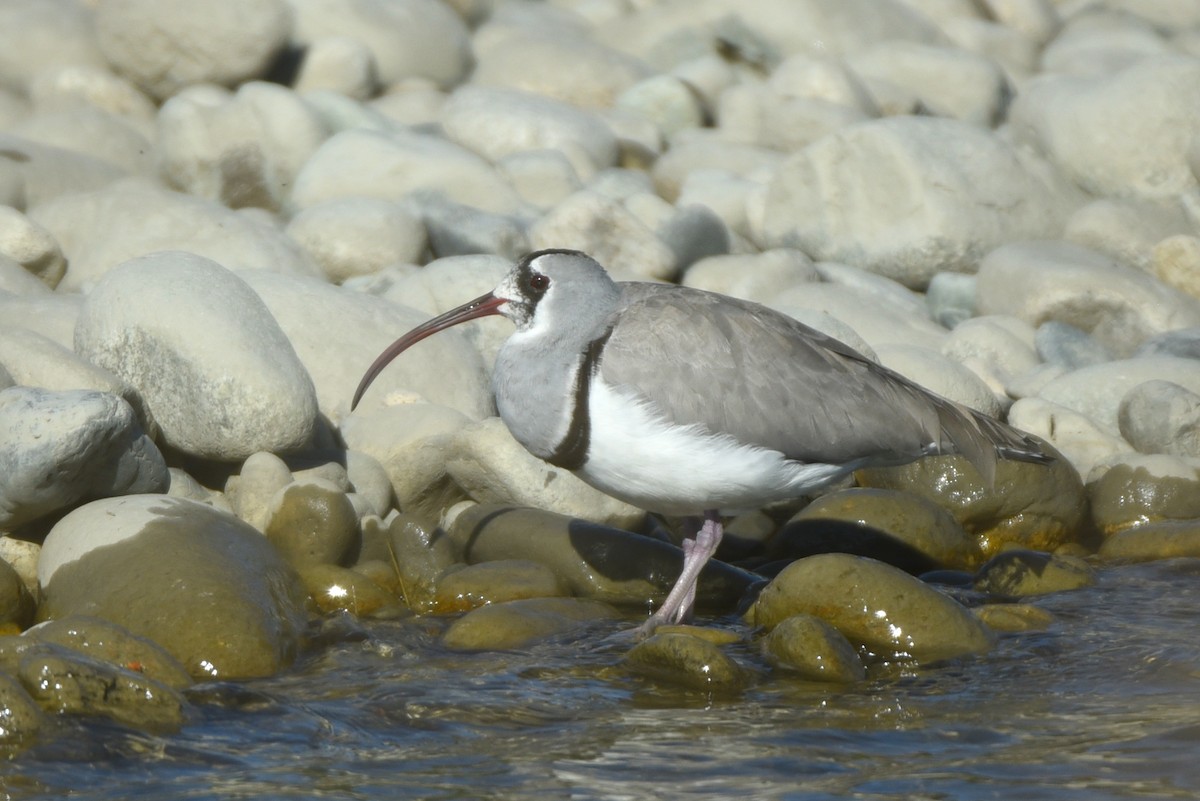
(480,307)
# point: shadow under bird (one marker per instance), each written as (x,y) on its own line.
(685,402)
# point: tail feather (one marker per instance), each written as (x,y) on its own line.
(984,441)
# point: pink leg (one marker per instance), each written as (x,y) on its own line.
(696,553)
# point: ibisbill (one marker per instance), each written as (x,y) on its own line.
(685,402)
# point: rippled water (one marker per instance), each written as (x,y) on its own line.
(1106,704)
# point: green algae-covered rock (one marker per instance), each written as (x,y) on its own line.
(203,584)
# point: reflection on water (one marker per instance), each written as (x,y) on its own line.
(1104,705)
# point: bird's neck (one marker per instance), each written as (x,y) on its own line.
(538,391)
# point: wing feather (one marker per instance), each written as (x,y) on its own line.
(769,380)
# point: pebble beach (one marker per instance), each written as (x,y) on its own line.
(214,216)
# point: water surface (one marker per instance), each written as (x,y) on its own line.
(1105,704)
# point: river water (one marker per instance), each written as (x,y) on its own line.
(1104,704)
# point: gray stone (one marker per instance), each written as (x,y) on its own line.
(337,333)
(31,246)
(99,230)
(212,364)
(60,448)
(406,38)
(958,191)
(358,236)
(1161,417)
(165,46)
(1062,343)
(240,149)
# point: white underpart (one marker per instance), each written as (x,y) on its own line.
(638,456)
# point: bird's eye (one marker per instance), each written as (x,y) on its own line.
(539,282)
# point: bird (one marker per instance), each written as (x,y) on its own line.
(685,402)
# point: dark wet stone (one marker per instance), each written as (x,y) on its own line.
(201,583)
(714,635)
(515,624)
(1020,573)
(62,680)
(20,715)
(495,582)
(686,660)
(875,605)
(334,588)
(902,529)
(420,553)
(1166,539)
(594,561)
(1014,618)
(815,650)
(104,640)
(314,523)
(1132,494)
(1031,506)
(16,604)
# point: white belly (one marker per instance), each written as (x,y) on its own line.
(637,456)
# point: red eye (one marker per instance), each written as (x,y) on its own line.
(539,282)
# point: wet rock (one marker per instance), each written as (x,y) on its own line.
(1031,505)
(314,523)
(20,716)
(710,634)
(874,605)
(334,588)
(60,448)
(164,46)
(1140,489)
(147,562)
(959,181)
(594,561)
(215,369)
(1161,417)
(815,650)
(492,467)
(420,553)
(686,660)
(1019,573)
(1014,618)
(516,624)
(108,642)
(16,602)
(65,681)
(893,535)
(496,582)
(1164,539)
